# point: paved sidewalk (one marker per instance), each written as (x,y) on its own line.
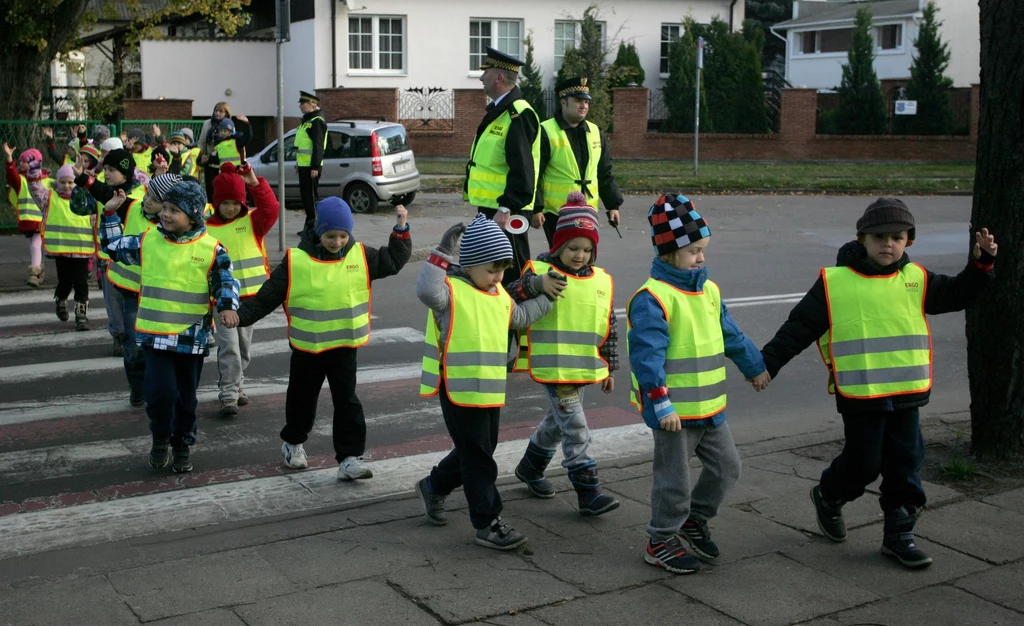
(382,563)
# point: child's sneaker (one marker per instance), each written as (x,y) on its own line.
(698,537)
(229,408)
(499,536)
(242,398)
(294,456)
(354,468)
(830,516)
(898,540)
(158,453)
(671,555)
(433,503)
(181,463)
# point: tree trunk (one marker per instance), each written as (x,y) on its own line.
(995,324)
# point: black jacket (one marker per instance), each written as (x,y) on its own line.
(605,185)
(520,184)
(381,262)
(808,320)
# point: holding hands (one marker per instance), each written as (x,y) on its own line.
(553,284)
(229,319)
(760,381)
(984,241)
(401,215)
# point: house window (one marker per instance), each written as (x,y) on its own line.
(567,34)
(833,40)
(376,43)
(890,37)
(503,35)
(669,34)
(809,42)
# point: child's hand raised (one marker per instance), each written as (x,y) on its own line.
(401,215)
(249,176)
(229,319)
(760,381)
(115,201)
(553,285)
(450,239)
(671,423)
(985,241)
(47,132)
(8,152)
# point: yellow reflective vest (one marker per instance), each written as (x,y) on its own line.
(65,233)
(248,263)
(561,175)
(475,354)
(143,159)
(488,170)
(304,143)
(24,204)
(227,152)
(175,291)
(193,159)
(128,277)
(328,302)
(695,357)
(879,343)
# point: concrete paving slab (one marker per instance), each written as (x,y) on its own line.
(517,619)
(650,604)
(364,602)
(1010,500)
(638,489)
(787,463)
(462,591)
(794,509)
(981,530)
(1002,585)
(770,590)
(933,605)
(73,601)
(560,515)
(742,534)
(216,617)
(199,583)
(758,484)
(325,561)
(86,560)
(860,562)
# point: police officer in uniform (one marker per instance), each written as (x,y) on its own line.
(310,143)
(574,156)
(501,175)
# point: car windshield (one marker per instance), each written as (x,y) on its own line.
(391,139)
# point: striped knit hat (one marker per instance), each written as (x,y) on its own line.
(675,223)
(575,219)
(483,242)
(160,184)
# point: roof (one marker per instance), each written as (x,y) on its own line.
(121,11)
(847,12)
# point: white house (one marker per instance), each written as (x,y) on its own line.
(818,36)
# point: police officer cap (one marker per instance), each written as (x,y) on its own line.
(305,96)
(575,86)
(500,60)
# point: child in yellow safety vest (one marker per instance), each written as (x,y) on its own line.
(69,240)
(464,364)
(867,315)
(680,334)
(27,186)
(185,275)
(568,349)
(241,229)
(325,286)
(230,145)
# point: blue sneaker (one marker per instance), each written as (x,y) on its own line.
(671,555)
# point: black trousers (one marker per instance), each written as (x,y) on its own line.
(170,393)
(309,190)
(520,250)
(209,173)
(72,274)
(470,465)
(884,442)
(550,222)
(305,379)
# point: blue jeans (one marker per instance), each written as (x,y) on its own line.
(113,302)
(170,393)
(565,423)
(134,361)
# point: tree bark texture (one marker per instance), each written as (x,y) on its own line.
(995,324)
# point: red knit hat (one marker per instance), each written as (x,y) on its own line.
(576,219)
(228,185)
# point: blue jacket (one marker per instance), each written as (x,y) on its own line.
(648,340)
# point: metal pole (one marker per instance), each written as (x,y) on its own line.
(281,226)
(696,108)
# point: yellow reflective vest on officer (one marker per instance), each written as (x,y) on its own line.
(304,143)
(328,302)
(248,264)
(561,175)
(695,357)
(129,277)
(227,152)
(473,361)
(488,169)
(563,346)
(175,291)
(23,203)
(879,343)
(65,233)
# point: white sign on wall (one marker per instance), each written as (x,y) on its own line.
(906,107)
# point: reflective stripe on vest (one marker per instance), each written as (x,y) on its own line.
(880,343)
(247,261)
(175,291)
(304,143)
(476,353)
(128,277)
(488,169)
(561,175)
(328,302)
(563,345)
(695,357)
(24,204)
(64,232)
(227,152)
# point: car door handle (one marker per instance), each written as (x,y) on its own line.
(343,164)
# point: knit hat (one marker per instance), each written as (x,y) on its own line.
(122,161)
(675,223)
(113,143)
(227,124)
(31,155)
(137,134)
(160,184)
(332,213)
(100,133)
(228,185)
(483,242)
(178,136)
(188,135)
(65,171)
(33,160)
(162,152)
(94,154)
(576,219)
(190,198)
(886,215)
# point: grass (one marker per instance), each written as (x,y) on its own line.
(643,176)
(959,469)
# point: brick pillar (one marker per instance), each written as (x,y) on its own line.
(799,119)
(470,105)
(630,122)
(157,109)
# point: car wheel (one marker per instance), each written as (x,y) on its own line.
(404,199)
(361,198)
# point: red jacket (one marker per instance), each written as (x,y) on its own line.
(264,211)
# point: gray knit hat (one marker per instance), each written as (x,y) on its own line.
(190,198)
(886,215)
(483,242)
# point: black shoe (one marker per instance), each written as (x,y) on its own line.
(588,492)
(136,399)
(671,555)
(62,310)
(118,349)
(181,462)
(898,540)
(158,453)
(698,537)
(531,471)
(499,536)
(830,516)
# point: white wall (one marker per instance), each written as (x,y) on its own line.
(960,29)
(201,71)
(825,70)
(300,57)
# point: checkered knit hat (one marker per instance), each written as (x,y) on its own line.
(675,224)
(575,219)
(483,242)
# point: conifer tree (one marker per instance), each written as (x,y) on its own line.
(929,85)
(531,81)
(861,107)
(587,59)
(626,69)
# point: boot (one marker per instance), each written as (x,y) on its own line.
(35,276)
(588,491)
(531,471)
(898,540)
(81,316)
(158,454)
(62,310)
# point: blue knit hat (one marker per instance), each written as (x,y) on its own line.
(333,213)
(483,242)
(227,124)
(190,198)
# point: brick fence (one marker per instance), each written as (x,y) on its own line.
(166,109)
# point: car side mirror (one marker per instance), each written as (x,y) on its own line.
(265,157)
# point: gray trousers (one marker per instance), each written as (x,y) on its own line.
(565,423)
(113,301)
(672,502)
(232,359)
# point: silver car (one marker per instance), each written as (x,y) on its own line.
(365,162)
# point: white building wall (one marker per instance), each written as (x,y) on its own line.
(300,59)
(825,70)
(960,30)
